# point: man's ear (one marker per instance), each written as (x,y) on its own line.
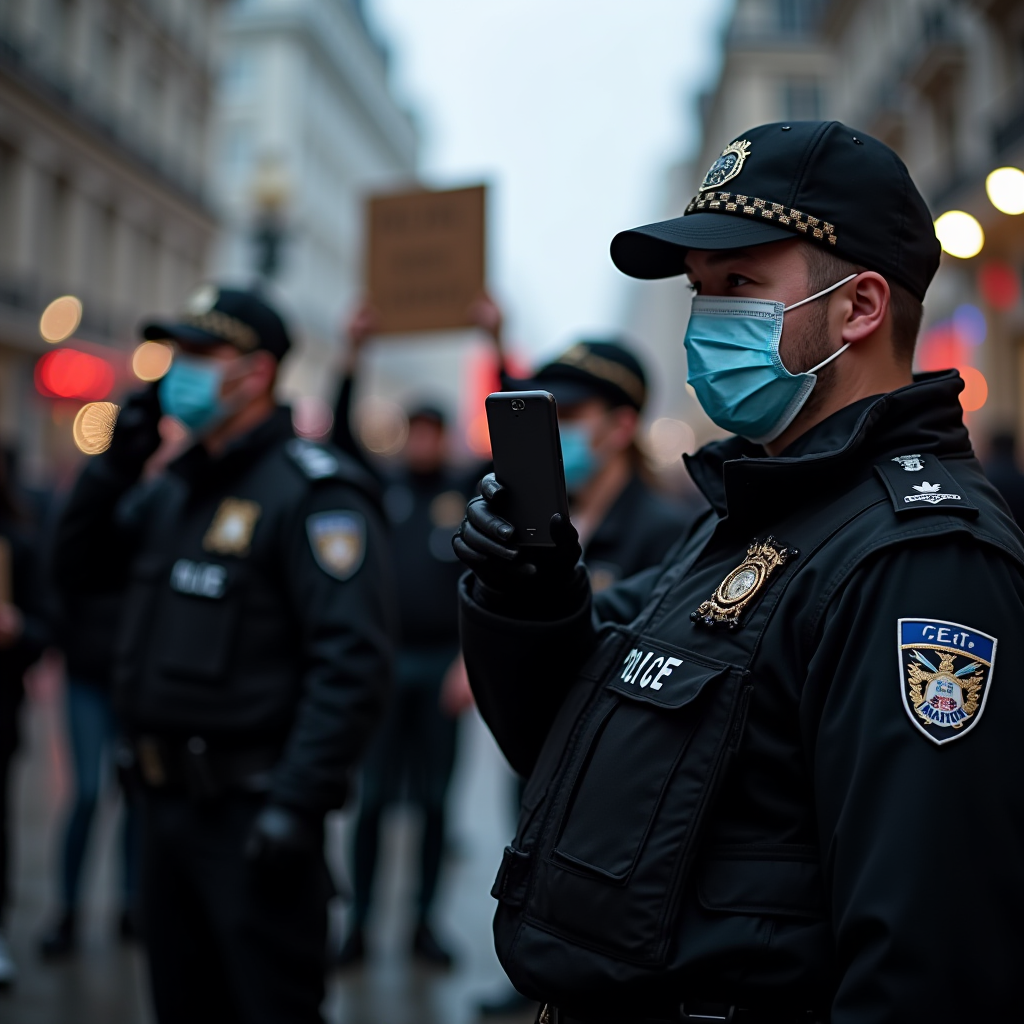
(264,372)
(864,305)
(623,426)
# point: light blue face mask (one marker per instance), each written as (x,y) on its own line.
(732,352)
(578,460)
(190,392)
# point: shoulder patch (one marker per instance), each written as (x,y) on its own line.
(945,675)
(921,483)
(338,541)
(314,461)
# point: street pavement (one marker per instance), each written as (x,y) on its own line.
(106,982)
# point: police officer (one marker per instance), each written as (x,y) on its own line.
(252,664)
(600,388)
(774,778)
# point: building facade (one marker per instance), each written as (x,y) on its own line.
(305,127)
(104,109)
(942,82)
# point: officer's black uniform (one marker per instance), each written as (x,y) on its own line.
(252,668)
(413,755)
(774,778)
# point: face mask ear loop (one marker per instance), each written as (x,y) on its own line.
(818,295)
(835,355)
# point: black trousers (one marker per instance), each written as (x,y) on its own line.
(411,759)
(10,710)
(226,944)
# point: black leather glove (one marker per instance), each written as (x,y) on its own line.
(136,435)
(280,839)
(486,544)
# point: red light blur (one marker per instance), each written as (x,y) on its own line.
(942,348)
(68,373)
(999,285)
(975,392)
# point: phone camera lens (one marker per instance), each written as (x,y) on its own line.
(518,404)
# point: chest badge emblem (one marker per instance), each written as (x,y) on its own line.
(231,531)
(945,672)
(726,606)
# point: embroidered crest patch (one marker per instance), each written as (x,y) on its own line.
(738,589)
(232,527)
(727,166)
(945,674)
(338,540)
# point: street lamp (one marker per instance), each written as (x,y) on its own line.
(270,193)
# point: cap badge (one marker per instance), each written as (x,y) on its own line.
(727,166)
(202,300)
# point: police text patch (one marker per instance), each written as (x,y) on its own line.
(200,579)
(338,540)
(945,674)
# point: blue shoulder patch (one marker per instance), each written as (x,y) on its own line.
(945,675)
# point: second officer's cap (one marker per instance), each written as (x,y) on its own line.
(218,316)
(819,180)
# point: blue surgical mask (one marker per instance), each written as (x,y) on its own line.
(190,392)
(732,351)
(578,460)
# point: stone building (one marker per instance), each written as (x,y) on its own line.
(306,127)
(942,82)
(104,108)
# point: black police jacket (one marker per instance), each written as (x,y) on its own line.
(783,768)
(617,550)
(258,608)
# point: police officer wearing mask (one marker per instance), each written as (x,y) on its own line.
(253,661)
(600,388)
(769,779)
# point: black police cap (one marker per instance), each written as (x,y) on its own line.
(819,180)
(218,316)
(604,369)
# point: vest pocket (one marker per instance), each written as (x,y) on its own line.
(632,801)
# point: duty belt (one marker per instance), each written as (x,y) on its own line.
(693,1012)
(201,771)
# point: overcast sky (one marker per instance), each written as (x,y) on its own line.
(571,110)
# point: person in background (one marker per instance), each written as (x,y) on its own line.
(1002,469)
(413,755)
(23,636)
(625,525)
(253,660)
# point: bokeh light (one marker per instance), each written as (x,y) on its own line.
(68,373)
(970,324)
(382,426)
(999,285)
(94,427)
(478,436)
(60,319)
(959,234)
(151,360)
(975,392)
(668,439)
(1005,188)
(312,417)
(942,348)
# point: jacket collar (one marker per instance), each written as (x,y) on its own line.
(197,467)
(839,452)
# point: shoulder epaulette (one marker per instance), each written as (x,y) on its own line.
(315,461)
(921,483)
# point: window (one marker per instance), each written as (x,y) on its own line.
(801,99)
(798,17)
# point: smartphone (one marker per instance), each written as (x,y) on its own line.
(527,457)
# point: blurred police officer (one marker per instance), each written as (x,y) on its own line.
(413,756)
(769,778)
(600,388)
(252,665)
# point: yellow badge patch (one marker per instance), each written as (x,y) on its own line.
(231,531)
(338,540)
(726,606)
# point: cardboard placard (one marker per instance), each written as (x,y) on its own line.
(425,258)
